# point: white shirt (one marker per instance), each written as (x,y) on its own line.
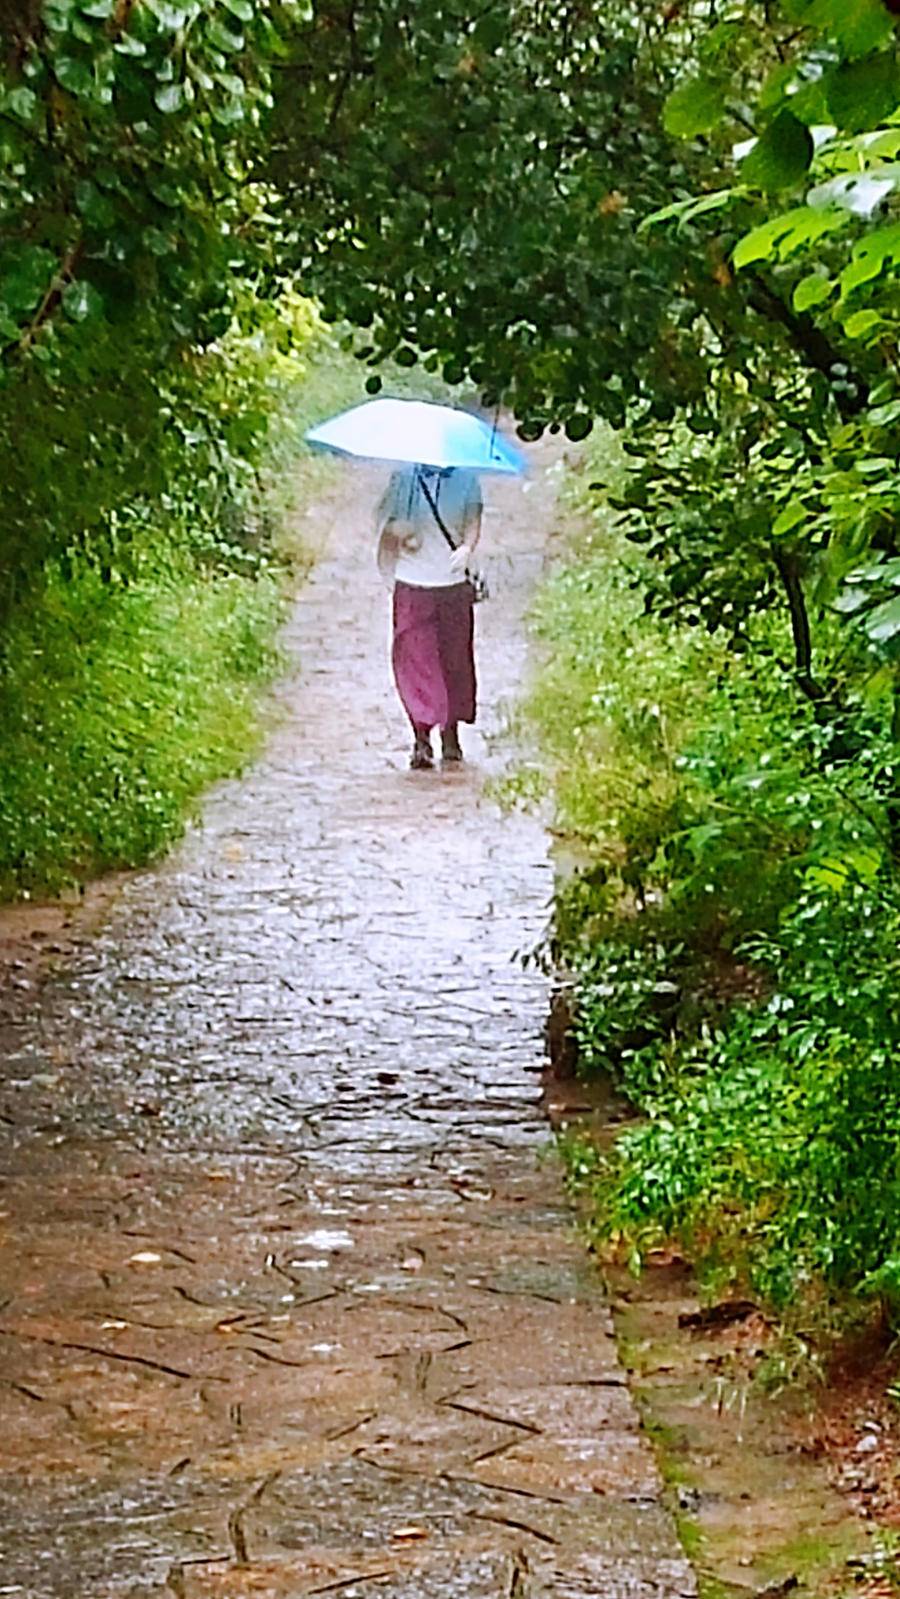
(424,559)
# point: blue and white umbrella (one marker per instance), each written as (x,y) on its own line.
(417,433)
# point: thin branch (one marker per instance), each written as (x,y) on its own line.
(811,343)
(50,301)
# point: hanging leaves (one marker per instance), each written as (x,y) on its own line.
(169,97)
(812,291)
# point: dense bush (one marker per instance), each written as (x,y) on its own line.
(732,929)
(130,661)
(118,704)
(149,383)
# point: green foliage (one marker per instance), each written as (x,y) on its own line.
(152,361)
(131,252)
(780,155)
(771,1147)
(732,933)
(130,662)
(118,705)
(464,182)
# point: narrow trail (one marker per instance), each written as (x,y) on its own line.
(290,1305)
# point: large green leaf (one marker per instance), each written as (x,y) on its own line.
(863,324)
(859,26)
(883,623)
(863,93)
(781,236)
(694,206)
(858,193)
(883,146)
(780,156)
(694,107)
(76,76)
(793,514)
(25,276)
(870,257)
(223,38)
(169,97)
(812,290)
(22,103)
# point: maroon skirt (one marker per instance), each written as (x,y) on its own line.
(433,653)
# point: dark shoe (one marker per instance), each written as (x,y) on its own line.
(451,754)
(422,758)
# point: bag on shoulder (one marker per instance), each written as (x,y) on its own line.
(476,580)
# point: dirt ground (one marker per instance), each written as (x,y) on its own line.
(291,1301)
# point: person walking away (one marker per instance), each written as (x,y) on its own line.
(428,524)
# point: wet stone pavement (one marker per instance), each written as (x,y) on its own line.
(291,1302)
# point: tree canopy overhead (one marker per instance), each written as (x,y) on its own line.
(467,187)
(466,180)
(668,217)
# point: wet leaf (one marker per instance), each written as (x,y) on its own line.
(864,93)
(170,97)
(26,277)
(223,39)
(861,324)
(694,107)
(781,236)
(781,156)
(858,25)
(812,291)
(22,102)
(75,76)
(81,300)
(884,622)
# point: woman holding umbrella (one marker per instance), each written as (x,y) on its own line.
(429,523)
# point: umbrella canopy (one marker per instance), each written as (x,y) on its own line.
(416,432)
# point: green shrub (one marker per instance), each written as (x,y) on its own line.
(118,705)
(732,931)
(131,661)
(771,1146)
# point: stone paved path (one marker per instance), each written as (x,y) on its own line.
(291,1304)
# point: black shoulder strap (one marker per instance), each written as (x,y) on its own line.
(432,506)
